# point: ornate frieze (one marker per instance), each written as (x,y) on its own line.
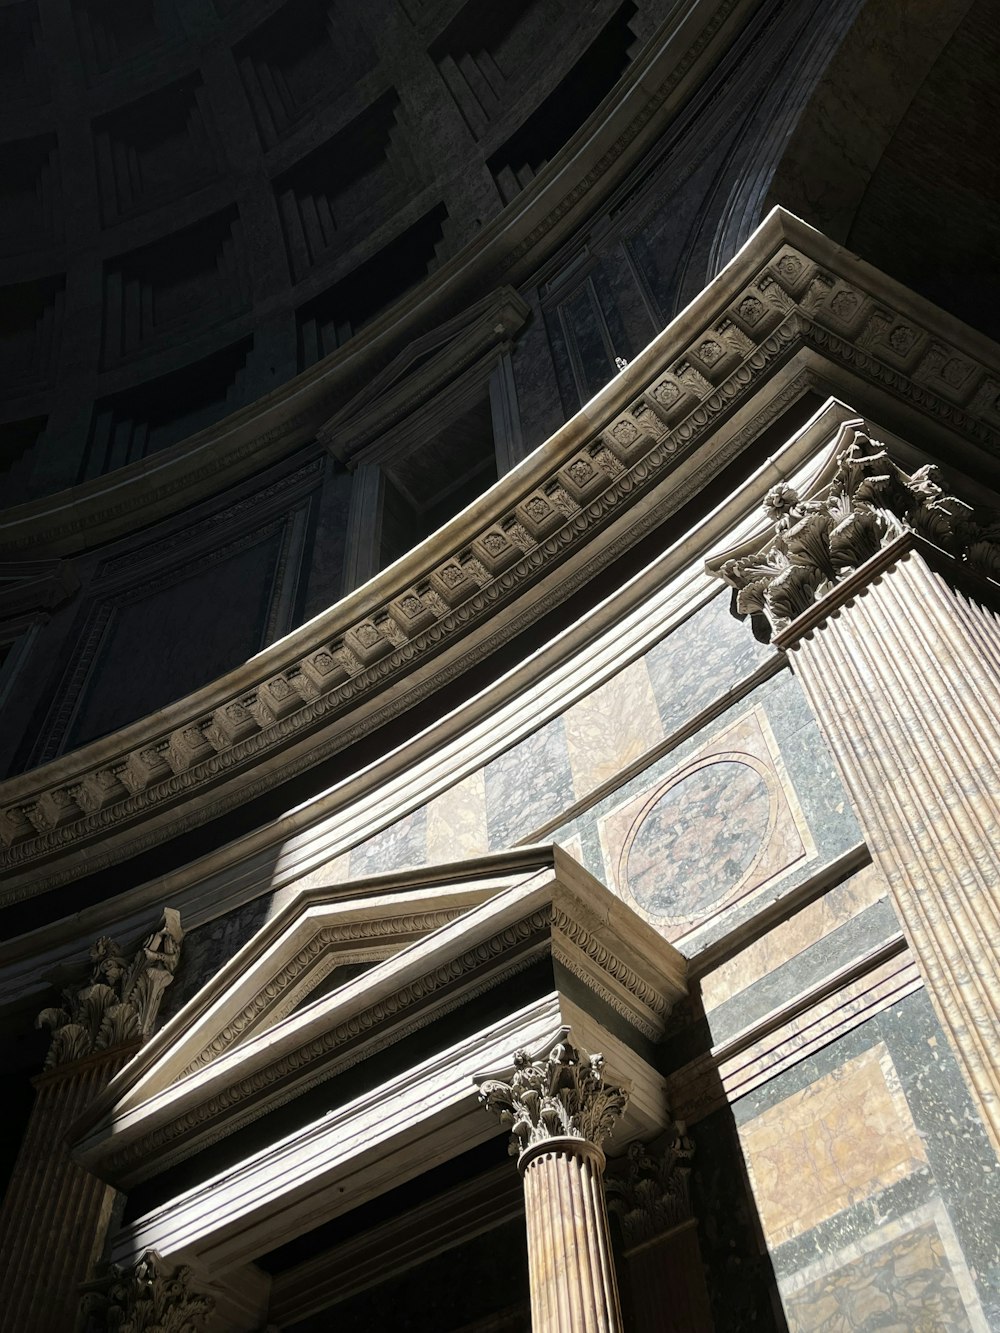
(815,543)
(650,1191)
(804,298)
(145,1298)
(120,1001)
(563,1095)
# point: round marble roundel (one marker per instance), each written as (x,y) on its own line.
(699,839)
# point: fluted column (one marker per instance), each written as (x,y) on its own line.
(884,593)
(55,1215)
(559,1111)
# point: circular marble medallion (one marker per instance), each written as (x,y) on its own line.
(698,840)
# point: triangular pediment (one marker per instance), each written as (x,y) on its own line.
(267,1028)
(325,937)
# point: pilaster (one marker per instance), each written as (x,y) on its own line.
(884,593)
(55,1214)
(649,1191)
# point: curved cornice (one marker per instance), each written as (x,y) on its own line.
(593,162)
(790,311)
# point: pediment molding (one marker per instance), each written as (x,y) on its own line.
(790,313)
(152,1118)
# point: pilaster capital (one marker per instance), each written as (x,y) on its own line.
(120,1000)
(145,1298)
(816,543)
(649,1190)
(558,1096)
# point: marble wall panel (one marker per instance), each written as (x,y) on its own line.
(528,786)
(456,821)
(788,939)
(806,971)
(715,828)
(699,661)
(879,1116)
(909,1275)
(611,728)
(842,1138)
(401,844)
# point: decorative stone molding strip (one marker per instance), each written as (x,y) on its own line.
(145,1298)
(563,1095)
(120,1001)
(275,1001)
(651,1192)
(339,677)
(817,542)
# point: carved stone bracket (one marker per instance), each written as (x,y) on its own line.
(816,543)
(650,1191)
(121,999)
(144,1299)
(563,1095)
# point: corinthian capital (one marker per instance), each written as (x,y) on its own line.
(563,1095)
(144,1299)
(815,543)
(650,1191)
(120,1000)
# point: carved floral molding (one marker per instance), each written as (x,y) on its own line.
(563,1095)
(342,677)
(144,1299)
(650,1191)
(120,1001)
(815,543)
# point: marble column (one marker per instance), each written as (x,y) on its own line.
(649,1193)
(55,1215)
(559,1111)
(885,592)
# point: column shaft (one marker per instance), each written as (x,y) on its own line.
(55,1214)
(570,1265)
(905,683)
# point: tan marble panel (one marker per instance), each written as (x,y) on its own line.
(456,821)
(611,728)
(573,845)
(832,1144)
(335,871)
(791,937)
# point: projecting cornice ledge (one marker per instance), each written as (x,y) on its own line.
(790,313)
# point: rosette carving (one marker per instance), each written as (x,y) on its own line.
(144,1299)
(120,1001)
(563,1095)
(817,542)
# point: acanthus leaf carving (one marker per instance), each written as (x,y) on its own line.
(563,1095)
(144,1298)
(650,1191)
(815,543)
(121,999)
